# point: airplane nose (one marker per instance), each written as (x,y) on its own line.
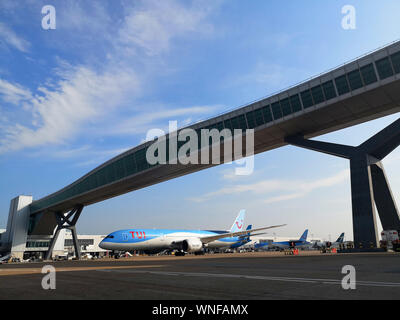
(103,245)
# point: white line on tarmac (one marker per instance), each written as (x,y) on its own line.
(239,276)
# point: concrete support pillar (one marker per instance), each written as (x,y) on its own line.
(362,199)
(64,222)
(384,199)
(369,185)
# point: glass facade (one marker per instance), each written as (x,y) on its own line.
(355,79)
(37,244)
(285,106)
(295,102)
(81,242)
(276,110)
(384,68)
(368,74)
(396,62)
(342,85)
(329,90)
(317,94)
(306,98)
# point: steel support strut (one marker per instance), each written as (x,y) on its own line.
(369,185)
(64,222)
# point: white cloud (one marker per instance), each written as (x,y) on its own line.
(145,121)
(12,39)
(291,189)
(13,93)
(152,24)
(61,112)
(97,93)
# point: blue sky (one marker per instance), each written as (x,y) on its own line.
(73,97)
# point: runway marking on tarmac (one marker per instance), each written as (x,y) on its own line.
(24,271)
(240,276)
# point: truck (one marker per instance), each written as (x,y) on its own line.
(390,240)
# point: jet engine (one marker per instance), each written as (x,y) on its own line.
(192,245)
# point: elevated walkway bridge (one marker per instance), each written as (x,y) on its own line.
(362,90)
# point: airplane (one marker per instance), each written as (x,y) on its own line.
(336,244)
(184,241)
(286,244)
(242,239)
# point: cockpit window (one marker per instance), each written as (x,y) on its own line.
(110,236)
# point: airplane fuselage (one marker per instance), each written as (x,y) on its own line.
(160,239)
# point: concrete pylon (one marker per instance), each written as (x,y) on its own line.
(369,185)
(64,222)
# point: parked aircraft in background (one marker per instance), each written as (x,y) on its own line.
(326,244)
(302,242)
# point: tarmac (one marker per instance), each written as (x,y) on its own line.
(242,276)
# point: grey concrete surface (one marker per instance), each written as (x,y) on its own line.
(225,276)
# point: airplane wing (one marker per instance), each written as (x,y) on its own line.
(209,239)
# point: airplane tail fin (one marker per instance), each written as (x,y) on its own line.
(341,238)
(304,236)
(247,237)
(238,225)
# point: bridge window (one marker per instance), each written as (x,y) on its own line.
(91,182)
(235,123)
(384,68)
(368,74)
(307,99)
(329,90)
(355,80)
(120,170)
(258,117)
(317,94)
(342,85)
(267,114)
(110,173)
(295,102)
(79,188)
(396,62)
(140,159)
(239,122)
(129,164)
(285,105)
(220,126)
(276,110)
(250,120)
(228,124)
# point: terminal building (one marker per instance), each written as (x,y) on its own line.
(364,89)
(15,238)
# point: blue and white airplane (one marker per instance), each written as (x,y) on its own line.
(242,239)
(286,244)
(157,240)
